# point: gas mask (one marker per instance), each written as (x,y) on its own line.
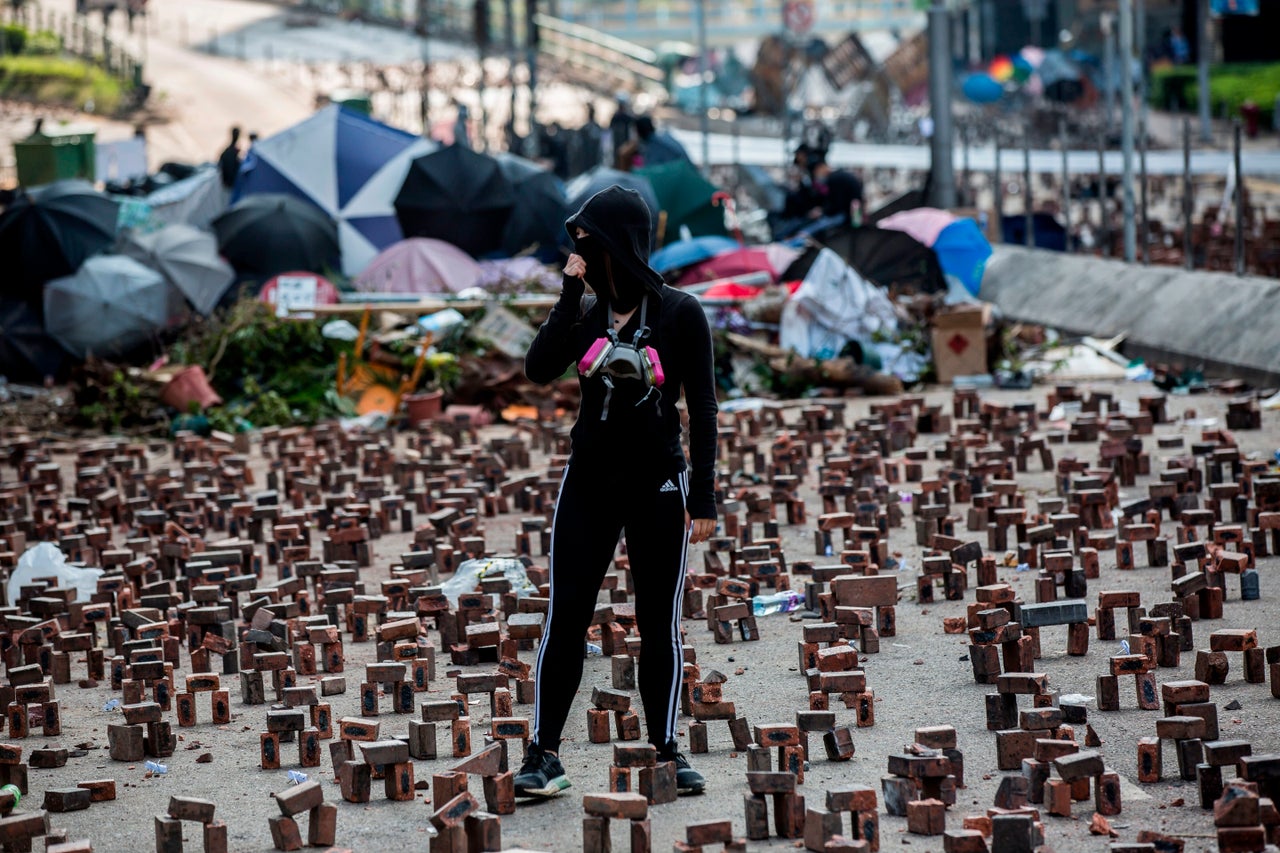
(611,359)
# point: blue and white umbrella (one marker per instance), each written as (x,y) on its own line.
(349,166)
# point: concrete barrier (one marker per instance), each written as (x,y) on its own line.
(1229,324)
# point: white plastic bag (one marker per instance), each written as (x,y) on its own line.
(47,560)
(467,577)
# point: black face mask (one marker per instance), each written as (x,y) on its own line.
(608,279)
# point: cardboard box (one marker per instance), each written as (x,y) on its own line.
(960,341)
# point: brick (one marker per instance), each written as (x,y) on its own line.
(299,798)
(100,790)
(619,806)
(191,808)
(284,832)
(926,817)
(66,799)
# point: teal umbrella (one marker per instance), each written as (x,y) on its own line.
(685,196)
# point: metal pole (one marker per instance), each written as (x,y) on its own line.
(941,145)
(1203,49)
(997,190)
(424,108)
(1104,227)
(1028,209)
(968,186)
(1066,180)
(1239,248)
(1188,256)
(1108,67)
(1126,125)
(531,60)
(700,13)
(1145,233)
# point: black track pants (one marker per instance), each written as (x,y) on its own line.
(593,509)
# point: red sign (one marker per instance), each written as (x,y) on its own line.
(797,16)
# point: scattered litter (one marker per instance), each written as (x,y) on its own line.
(296,777)
(156,767)
(111,705)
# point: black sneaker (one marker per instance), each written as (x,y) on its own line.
(541,775)
(688,780)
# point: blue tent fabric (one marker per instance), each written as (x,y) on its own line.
(683,253)
(345,163)
(962,252)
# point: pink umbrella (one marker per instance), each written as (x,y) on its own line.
(419,265)
(772,259)
(922,223)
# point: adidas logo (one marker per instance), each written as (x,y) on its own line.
(668,487)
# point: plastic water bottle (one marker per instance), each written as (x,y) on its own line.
(13,791)
(778,602)
(155,767)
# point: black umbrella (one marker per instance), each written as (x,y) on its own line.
(27,354)
(888,258)
(459,196)
(49,232)
(264,235)
(540,209)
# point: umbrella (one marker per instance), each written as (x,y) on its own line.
(661,148)
(961,248)
(459,196)
(264,235)
(588,184)
(686,197)
(345,163)
(419,265)
(27,353)
(683,253)
(744,260)
(540,209)
(982,88)
(110,306)
(887,257)
(188,258)
(49,232)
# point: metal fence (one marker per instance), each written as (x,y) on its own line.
(81,39)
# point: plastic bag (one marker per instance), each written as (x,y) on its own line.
(468,576)
(46,560)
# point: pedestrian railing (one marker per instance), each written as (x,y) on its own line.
(599,53)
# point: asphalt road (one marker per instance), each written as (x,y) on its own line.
(920,678)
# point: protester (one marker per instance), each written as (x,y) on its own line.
(622,125)
(833,196)
(229,161)
(637,344)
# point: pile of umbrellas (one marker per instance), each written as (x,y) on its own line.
(67,296)
(1062,76)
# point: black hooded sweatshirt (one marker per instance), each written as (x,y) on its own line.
(640,439)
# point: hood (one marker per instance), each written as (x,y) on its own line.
(619,219)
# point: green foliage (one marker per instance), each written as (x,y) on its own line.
(60,81)
(13,38)
(272,371)
(1229,85)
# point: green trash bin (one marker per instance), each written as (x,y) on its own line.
(355,100)
(55,153)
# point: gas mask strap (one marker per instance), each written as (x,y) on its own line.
(644,315)
(608,395)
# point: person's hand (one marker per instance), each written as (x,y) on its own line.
(576,267)
(700,529)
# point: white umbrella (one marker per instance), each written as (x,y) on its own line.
(188,258)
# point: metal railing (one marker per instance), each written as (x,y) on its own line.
(80,39)
(599,53)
